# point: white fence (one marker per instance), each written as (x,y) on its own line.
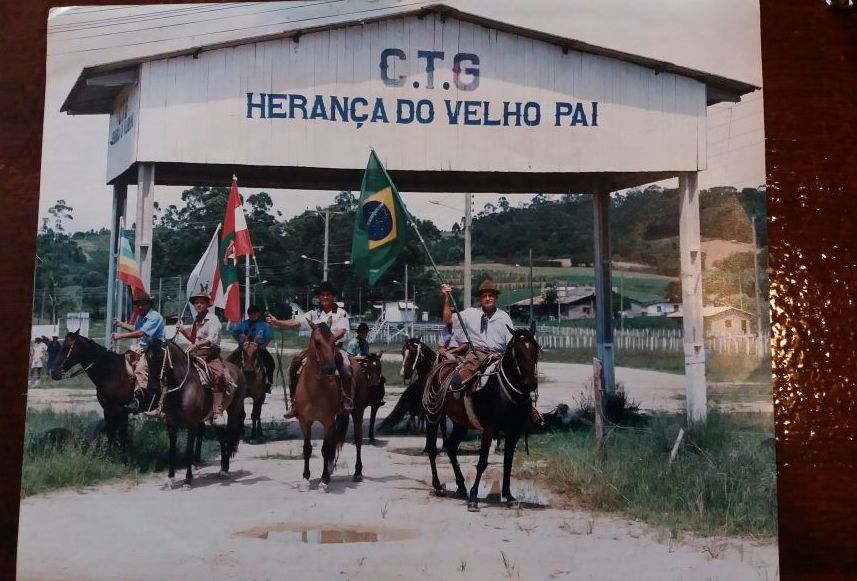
(664,340)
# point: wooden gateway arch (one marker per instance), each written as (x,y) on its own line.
(452,102)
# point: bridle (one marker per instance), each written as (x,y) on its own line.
(82,368)
(168,360)
(504,380)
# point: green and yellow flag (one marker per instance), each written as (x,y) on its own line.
(381,223)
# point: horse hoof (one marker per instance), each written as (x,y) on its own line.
(372,441)
(440,492)
(323,487)
(303,486)
(513,503)
(186,485)
(223,474)
(168,484)
(472,506)
(357,478)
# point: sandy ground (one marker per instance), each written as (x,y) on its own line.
(257,524)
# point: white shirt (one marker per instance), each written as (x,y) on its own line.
(40,355)
(496,335)
(209,329)
(337,319)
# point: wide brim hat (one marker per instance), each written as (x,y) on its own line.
(141,297)
(199,295)
(487,286)
(326,287)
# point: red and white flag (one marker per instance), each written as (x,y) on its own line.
(234,243)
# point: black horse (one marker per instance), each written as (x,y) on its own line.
(501,406)
(114,386)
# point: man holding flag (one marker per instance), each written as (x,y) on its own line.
(148,329)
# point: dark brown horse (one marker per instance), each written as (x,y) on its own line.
(501,406)
(188,403)
(417,360)
(368,392)
(106,369)
(317,399)
(248,359)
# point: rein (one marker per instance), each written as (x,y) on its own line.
(82,369)
(169,360)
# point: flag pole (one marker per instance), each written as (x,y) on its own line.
(259,272)
(431,259)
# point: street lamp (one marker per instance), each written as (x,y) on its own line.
(255,284)
(325,264)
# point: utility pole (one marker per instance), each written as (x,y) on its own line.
(326,239)
(740,291)
(42,312)
(160,289)
(246,282)
(360,304)
(468,224)
(756,279)
(531,286)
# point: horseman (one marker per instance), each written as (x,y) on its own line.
(488,329)
(204,336)
(336,318)
(253,328)
(148,329)
(358,347)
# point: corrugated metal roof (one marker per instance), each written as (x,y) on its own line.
(88,99)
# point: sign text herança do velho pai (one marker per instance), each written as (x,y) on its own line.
(360,110)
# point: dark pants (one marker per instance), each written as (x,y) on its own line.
(267,363)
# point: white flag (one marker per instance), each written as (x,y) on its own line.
(206,274)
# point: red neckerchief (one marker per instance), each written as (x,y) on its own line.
(196,323)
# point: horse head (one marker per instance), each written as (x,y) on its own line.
(72,352)
(322,347)
(372,368)
(412,352)
(523,350)
(174,362)
(249,356)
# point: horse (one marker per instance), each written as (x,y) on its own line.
(114,387)
(317,399)
(368,392)
(501,406)
(247,358)
(188,403)
(417,358)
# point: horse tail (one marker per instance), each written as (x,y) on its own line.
(410,398)
(339,433)
(235,429)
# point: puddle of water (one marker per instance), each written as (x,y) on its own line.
(323,535)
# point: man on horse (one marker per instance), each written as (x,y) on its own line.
(336,318)
(258,331)
(148,329)
(488,329)
(358,347)
(204,336)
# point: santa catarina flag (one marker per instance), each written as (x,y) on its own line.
(234,243)
(128,271)
(380,225)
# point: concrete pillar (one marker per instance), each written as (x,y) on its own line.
(120,198)
(691,297)
(144,221)
(603,290)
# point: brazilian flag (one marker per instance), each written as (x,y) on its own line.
(380,225)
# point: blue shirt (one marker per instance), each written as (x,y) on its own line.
(259,330)
(152,324)
(358,346)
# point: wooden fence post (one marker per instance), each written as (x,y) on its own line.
(598,406)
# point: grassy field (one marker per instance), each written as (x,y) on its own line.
(73,465)
(723,481)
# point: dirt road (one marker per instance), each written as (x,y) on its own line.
(259,525)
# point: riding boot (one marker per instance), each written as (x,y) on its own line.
(135,404)
(292,411)
(217,417)
(158,412)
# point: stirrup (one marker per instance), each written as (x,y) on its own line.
(133,406)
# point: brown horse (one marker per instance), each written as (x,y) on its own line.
(247,358)
(188,403)
(317,399)
(368,392)
(501,406)
(106,369)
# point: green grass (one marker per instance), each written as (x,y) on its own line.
(75,466)
(723,481)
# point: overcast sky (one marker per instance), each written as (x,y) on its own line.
(720,37)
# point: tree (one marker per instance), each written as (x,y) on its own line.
(551,295)
(60,212)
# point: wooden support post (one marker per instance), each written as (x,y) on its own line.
(603,289)
(678,440)
(598,404)
(120,197)
(144,224)
(691,296)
